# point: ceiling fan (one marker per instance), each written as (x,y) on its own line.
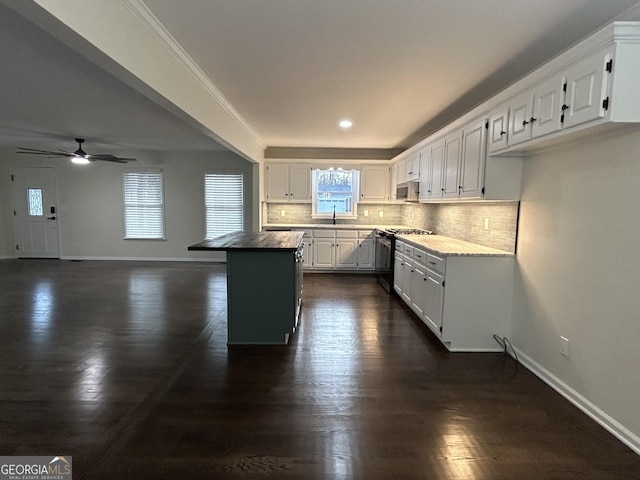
(79,156)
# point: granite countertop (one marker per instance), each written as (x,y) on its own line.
(263,241)
(452,247)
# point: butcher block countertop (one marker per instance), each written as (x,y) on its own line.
(452,247)
(263,241)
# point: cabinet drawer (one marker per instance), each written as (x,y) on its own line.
(407,250)
(346,233)
(420,256)
(324,233)
(365,233)
(435,263)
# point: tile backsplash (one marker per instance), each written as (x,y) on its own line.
(493,224)
(490,224)
(301,213)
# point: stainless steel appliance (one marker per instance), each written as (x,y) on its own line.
(408,191)
(385,246)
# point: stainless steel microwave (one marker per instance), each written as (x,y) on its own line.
(408,191)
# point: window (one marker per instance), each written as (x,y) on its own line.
(143,204)
(35,202)
(224,203)
(335,191)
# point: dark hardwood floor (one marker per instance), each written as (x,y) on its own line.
(124,366)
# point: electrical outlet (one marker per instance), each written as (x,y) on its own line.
(564,346)
(283,213)
(486,223)
(366,213)
(381,214)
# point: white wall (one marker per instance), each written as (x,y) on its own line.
(579,271)
(6,233)
(90,205)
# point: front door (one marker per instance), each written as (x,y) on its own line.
(34,209)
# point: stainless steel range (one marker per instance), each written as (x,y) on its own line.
(385,246)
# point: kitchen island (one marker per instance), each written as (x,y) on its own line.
(264,284)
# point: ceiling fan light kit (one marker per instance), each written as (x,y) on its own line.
(79,157)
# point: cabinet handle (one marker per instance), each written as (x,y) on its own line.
(532,119)
(564,107)
(502,132)
(524,122)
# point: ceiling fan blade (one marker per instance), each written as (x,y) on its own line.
(35,151)
(111,158)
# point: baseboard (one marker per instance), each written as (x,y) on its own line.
(618,430)
(143,259)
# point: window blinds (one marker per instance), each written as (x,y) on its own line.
(224,203)
(143,205)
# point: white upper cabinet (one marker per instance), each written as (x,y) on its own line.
(498,126)
(472,159)
(452,151)
(374,183)
(413,167)
(425,173)
(436,187)
(586,90)
(394,180)
(520,115)
(288,182)
(593,84)
(547,106)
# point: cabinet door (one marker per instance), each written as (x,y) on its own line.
(413,166)
(366,259)
(308,253)
(520,113)
(402,171)
(394,180)
(418,290)
(433,304)
(407,271)
(547,106)
(300,182)
(323,252)
(374,183)
(498,130)
(277,188)
(346,253)
(398,267)
(437,169)
(586,89)
(425,173)
(452,149)
(473,159)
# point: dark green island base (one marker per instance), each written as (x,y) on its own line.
(264,285)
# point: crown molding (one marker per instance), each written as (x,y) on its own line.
(146,18)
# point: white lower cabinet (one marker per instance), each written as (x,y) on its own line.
(346,249)
(464,300)
(434,294)
(324,250)
(343,249)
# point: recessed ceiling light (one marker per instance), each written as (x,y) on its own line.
(345,123)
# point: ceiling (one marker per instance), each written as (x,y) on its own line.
(292,69)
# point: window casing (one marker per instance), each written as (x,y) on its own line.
(144,204)
(335,191)
(224,203)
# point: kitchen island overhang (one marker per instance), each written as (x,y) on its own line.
(264,285)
